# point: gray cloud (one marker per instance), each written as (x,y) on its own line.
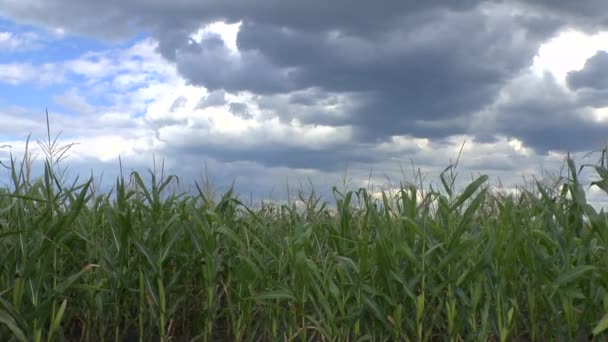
(417,71)
(588,15)
(597,98)
(212,65)
(216,98)
(310,106)
(330,159)
(545,117)
(116,19)
(594,74)
(240,109)
(327,159)
(591,82)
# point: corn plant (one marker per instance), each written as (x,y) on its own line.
(438,264)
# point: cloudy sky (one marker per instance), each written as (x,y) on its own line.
(271,92)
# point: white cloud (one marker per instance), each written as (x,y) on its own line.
(13,42)
(19,73)
(568,51)
(228,33)
(16,73)
(73,101)
(108,147)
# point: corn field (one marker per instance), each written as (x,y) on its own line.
(140,263)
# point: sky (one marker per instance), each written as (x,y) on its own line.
(274,94)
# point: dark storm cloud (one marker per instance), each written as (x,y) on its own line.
(417,77)
(408,73)
(594,74)
(540,27)
(589,15)
(120,19)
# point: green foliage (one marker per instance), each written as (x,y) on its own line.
(140,262)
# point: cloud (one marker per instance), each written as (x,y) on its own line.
(22,122)
(103,118)
(179,102)
(414,77)
(19,73)
(123,67)
(422,66)
(407,67)
(216,98)
(92,106)
(74,102)
(544,116)
(212,64)
(594,74)
(559,57)
(122,18)
(240,109)
(19,42)
(588,15)
(233,137)
(589,82)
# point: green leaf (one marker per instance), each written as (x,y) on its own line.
(146,254)
(58,317)
(69,281)
(572,275)
(280,294)
(9,321)
(601,326)
(468,192)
